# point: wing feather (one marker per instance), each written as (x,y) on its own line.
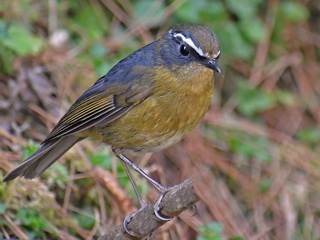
(85,114)
(103,103)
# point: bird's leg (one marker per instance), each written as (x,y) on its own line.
(162,189)
(157,185)
(134,185)
(138,193)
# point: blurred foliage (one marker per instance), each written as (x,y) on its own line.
(32,220)
(252,101)
(102,158)
(310,136)
(293,11)
(214,231)
(85,219)
(75,42)
(29,149)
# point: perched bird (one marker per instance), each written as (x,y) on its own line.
(147,102)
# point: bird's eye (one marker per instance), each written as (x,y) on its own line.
(184,50)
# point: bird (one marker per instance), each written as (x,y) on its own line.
(147,102)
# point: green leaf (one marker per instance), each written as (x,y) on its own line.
(89,23)
(264,185)
(4,34)
(102,158)
(2,207)
(6,54)
(29,149)
(101,67)
(31,218)
(207,12)
(285,97)
(262,154)
(213,10)
(211,231)
(251,147)
(244,8)
(148,10)
(202,11)
(294,11)
(22,42)
(253,100)
(86,220)
(232,42)
(60,170)
(189,12)
(98,51)
(309,135)
(236,238)
(240,147)
(253,29)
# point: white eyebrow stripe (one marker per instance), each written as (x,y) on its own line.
(217,54)
(191,44)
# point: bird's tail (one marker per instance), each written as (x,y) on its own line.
(38,162)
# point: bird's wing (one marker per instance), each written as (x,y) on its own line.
(99,106)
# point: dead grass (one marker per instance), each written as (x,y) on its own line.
(230,186)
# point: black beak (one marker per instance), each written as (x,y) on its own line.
(213,64)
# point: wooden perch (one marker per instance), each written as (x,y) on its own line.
(144,222)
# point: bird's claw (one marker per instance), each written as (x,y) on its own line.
(156,210)
(125,223)
(156,207)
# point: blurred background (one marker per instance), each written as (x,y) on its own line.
(255,156)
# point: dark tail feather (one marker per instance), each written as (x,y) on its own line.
(38,162)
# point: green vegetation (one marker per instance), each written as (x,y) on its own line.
(256,154)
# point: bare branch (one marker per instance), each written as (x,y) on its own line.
(144,222)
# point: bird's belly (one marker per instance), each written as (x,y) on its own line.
(155,124)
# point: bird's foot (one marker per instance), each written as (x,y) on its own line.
(126,221)
(156,207)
